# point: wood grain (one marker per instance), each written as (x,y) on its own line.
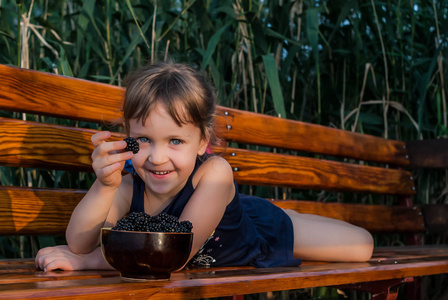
(27,211)
(374,218)
(47,146)
(265,168)
(216,282)
(34,211)
(47,94)
(251,128)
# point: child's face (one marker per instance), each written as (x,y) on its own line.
(167,153)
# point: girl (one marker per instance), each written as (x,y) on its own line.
(169,109)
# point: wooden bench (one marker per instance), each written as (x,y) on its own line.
(343,163)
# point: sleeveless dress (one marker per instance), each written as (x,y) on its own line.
(253,231)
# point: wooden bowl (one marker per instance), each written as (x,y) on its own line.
(145,255)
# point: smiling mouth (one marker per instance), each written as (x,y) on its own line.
(160,172)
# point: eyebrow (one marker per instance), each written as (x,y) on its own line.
(179,136)
(171,136)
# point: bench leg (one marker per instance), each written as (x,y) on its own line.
(411,238)
(414,289)
(380,290)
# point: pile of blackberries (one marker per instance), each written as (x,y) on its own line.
(140,221)
(131,145)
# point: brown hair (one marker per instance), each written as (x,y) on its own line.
(185,93)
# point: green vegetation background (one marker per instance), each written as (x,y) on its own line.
(375,67)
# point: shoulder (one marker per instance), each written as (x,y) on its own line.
(214,175)
(215,167)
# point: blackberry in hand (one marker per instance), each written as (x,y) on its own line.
(132,145)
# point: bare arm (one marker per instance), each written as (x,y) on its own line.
(60,257)
(83,230)
(206,207)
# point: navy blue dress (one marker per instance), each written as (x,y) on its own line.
(253,231)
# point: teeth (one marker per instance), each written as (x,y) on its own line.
(161,173)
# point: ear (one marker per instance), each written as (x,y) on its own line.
(203,146)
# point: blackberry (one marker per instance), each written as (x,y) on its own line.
(163,222)
(132,145)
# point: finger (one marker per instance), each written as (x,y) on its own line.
(109,170)
(113,147)
(42,262)
(37,262)
(41,256)
(100,162)
(58,264)
(99,137)
(107,148)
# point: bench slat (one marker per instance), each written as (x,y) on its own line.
(374,218)
(54,95)
(47,211)
(45,146)
(36,211)
(218,282)
(38,145)
(263,168)
(251,128)
(48,94)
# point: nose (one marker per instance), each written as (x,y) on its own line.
(157,155)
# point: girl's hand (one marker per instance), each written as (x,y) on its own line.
(108,159)
(60,257)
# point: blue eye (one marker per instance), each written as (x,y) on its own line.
(143,140)
(176,142)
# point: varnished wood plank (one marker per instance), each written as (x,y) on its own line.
(46,146)
(428,153)
(374,218)
(39,145)
(263,168)
(25,211)
(47,211)
(251,128)
(222,282)
(55,95)
(6,263)
(24,270)
(34,275)
(409,252)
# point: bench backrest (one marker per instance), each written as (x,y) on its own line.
(300,155)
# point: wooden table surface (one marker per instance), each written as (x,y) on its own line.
(19,279)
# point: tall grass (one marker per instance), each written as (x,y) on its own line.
(368,66)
